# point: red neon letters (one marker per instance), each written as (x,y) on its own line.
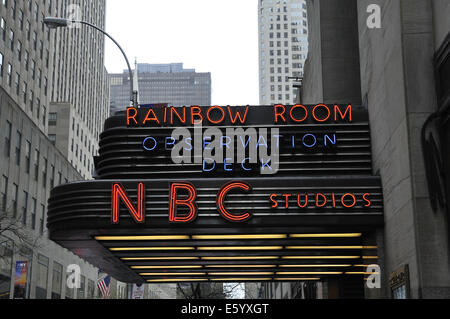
(220,199)
(320,113)
(174,202)
(320,200)
(184,194)
(119,192)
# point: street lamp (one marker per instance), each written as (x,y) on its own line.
(54,22)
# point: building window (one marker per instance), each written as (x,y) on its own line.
(21,19)
(38,104)
(33,69)
(39,78)
(42,277)
(18,147)
(36,11)
(15,191)
(33,213)
(57,280)
(3,28)
(45,85)
(19,50)
(27,156)
(26,59)
(81,290)
(8,139)
(4,192)
(1,64)
(17,83)
(52,118)
(13,9)
(11,39)
(34,40)
(31,101)
(44,115)
(41,225)
(90,289)
(36,164)
(24,91)
(24,208)
(52,138)
(52,177)
(9,75)
(44,173)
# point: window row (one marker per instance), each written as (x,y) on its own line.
(33,163)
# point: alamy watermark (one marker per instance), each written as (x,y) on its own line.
(245,148)
(74,276)
(374,18)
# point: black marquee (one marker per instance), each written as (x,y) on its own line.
(281,241)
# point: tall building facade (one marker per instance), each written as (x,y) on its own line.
(400,71)
(161,83)
(43,73)
(79,81)
(283,48)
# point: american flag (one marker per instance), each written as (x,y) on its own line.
(104,285)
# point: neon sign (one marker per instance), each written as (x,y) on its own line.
(217,115)
(175,201)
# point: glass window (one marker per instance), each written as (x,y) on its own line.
(42,277)
(36,164)
(90,289)
(24,208)
(33,213)
(26,59)
(57,280)
(21,19)
(18,147)
(11,39)
(27,156)
(19,50)
(31,100)
(1,64)
(44,115)
(14,195)
(13,9)
(52,138)
(3,29)
(17,83)
(41,225)
(52,118)
(9,75)
(4,192)
(44,173)
(81,290)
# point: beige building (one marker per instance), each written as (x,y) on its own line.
(79,84)
(283,48)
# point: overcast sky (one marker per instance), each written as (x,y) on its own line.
(217,36)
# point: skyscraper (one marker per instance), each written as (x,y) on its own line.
(39,66)
(79,85)
(283,48)
(162,83)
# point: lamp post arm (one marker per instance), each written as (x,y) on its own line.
(132,95)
